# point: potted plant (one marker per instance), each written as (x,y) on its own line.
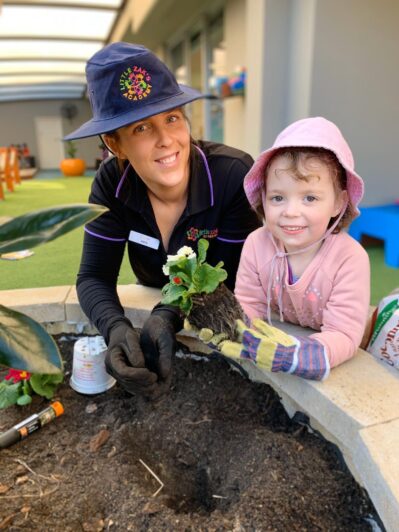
(72,166)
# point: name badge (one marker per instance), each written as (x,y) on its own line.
(144,240)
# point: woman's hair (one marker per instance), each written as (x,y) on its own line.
(297,155)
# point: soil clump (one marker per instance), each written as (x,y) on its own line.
(225,311)
(226,453)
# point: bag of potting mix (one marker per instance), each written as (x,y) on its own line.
(384,341)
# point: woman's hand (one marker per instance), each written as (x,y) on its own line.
(158,340)
(125,362)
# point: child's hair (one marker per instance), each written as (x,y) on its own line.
(295,155)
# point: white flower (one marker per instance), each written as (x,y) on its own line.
(186,251)
(172,258)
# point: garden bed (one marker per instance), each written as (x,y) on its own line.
(228,457)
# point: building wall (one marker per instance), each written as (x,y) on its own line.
(18,125)
(267,52)
(356,84)
(235,42)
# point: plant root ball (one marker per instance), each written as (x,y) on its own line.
(217,311)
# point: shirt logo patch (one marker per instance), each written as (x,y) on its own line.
(195,234)
(135,83)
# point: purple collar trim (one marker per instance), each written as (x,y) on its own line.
(122,179)
(208,172)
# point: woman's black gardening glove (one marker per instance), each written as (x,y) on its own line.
(158,340)
(125,361)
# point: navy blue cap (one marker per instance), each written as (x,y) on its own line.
(127,83)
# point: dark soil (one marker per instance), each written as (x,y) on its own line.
(228,456)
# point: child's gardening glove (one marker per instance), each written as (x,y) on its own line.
(274,350)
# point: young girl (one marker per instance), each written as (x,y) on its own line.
(300,264)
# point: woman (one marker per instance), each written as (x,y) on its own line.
(163,191)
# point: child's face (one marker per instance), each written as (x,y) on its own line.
(297,211)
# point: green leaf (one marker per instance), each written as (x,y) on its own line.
(32,229)
(207,278)
(9,394)
(24,400)
(185,267)
(172,293)
(186,304)
(46,385)
(26,345)
(191,266)
(203,246)
(26,389)
(71,149)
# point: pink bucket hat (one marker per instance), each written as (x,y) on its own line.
(316,132)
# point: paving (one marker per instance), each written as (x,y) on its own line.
(357,407)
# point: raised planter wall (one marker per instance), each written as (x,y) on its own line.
(357,407)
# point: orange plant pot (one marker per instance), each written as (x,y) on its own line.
(73,167)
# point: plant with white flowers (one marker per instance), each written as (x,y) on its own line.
(190,275)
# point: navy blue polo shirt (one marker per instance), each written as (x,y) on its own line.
(217,209)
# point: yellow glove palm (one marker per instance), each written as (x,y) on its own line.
(258,343)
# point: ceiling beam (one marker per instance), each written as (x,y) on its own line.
(42,73)
(48,3)
(49,38)
(41,59)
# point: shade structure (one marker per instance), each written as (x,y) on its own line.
(44,45)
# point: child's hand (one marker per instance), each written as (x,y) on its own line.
(274,350)
(206,335)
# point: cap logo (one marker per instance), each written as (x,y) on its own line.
(135,83)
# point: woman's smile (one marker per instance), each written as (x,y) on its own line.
(168,160)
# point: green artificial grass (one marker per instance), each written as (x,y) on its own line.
(57,262)
(383,278)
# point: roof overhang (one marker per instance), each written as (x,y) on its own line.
(44,45)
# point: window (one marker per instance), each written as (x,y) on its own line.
(217,62)
(197,61)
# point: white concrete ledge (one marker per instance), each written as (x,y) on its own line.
(357,407)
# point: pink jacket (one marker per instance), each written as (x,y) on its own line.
(332,295)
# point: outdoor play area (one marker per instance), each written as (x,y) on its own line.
(210,136)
